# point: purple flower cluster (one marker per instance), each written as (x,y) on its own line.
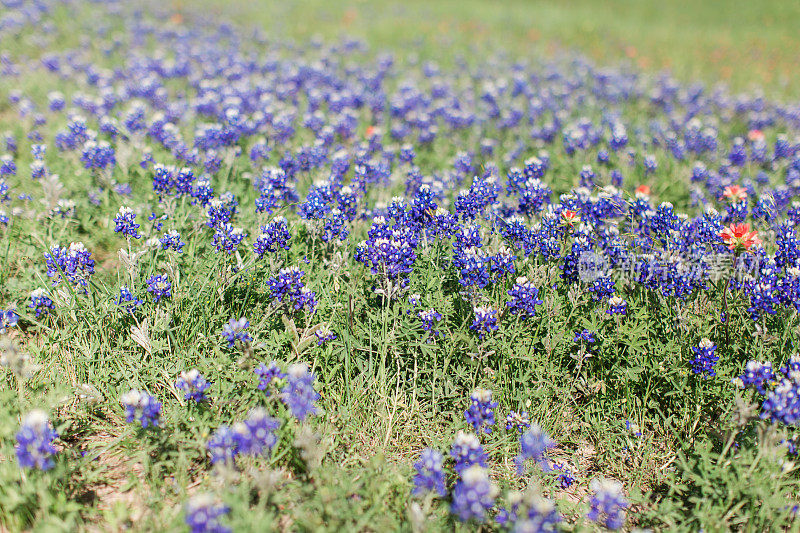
(524,298)
(125,223)
(159,286)
(171,240)
(473,495)
(480,414)
(430,474)
(529,512)
(74,262)
(227,238)
(267,374)
(35,441)
(299,394)
(467,451)
(518,421)
(485,321)
(430,317)
(704,358)
(607,504)
(203,514)
(288,287)
(780,391)
(127,300)
(8,319)
(236,330)
(193,385)
(274,236)
(534,444)
(41,303)
(253,436)
(324,335)
(141,407)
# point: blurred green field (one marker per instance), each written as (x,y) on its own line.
(748,45)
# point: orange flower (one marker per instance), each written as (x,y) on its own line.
(569,218)
(739,238)
(735,193)
(643,189)
(755,135)
(370,131)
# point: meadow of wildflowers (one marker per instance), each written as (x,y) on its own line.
(251,282)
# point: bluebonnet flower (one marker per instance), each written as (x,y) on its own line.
(524,298)
(159,286)
(633,428)
(267,374)
(259,151)
(141,407)
(414,299)
(223,446)
(227,238)
(193,385)
(256,434)
(757,375)
(4,188)
(529,512)
(389,251)
(75,262)
(782,398)
(430,474)
(617,306)
(4,218)
(467,451)
(171,240)
(518,421)
(288,287)
(584,336)
(480,414)
(485,320)
(429,319)
(299,394)
(8,318)
(473,265)
(203,192)
(274,235)
(98,155)
(565,479)
(704,358)
(41,303)
(7,166)
(607,504)
(127,300)
(184,182)
(203,515)
(473,495)
(35,441)
(220,211)
(125,223)
(66,208)
(650,164)
(324,334)
(534,444)
(235,330)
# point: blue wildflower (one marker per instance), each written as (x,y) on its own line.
(299,394)
(193,385)
(35,441)
(480,414)
(430,474)
(607,504)
(141,407)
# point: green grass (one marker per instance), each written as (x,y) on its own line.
(386,393)
(747,45)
